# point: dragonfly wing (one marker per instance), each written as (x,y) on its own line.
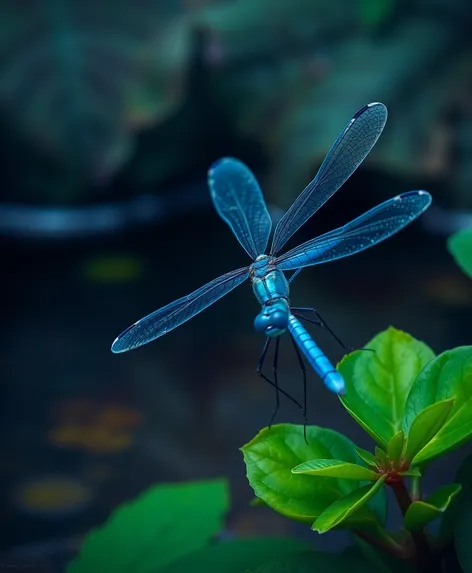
(176,313)
(347,153)
(239,201)
(365,231)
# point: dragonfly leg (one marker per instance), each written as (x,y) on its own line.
(303,369)
(320,322)
(296,273)
(268,380)
(276,381)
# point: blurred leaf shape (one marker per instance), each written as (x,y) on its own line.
(72,75)
(460,247)
(373,13)
(315,109)
(312,561)
(462,533)
(238,555)
(464,478)
(163,524)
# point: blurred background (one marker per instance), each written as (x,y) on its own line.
(110,115)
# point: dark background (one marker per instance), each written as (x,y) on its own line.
(110,115)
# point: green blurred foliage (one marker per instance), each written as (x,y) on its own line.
(81,81)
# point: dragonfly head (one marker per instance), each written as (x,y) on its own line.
(273,319)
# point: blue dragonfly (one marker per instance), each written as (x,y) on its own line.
(239,201)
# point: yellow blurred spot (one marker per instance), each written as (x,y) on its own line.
(95,438)
(450,290)
(112,269)
(119,417)
(95,428)
(101,440)
(53,494)
(65,435)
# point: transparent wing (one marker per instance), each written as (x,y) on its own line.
(371,228)
(239,201)
(176,313)
(347,153)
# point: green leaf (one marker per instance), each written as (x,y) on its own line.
(161,525)
(462,538)
(379,382)
(395,446)
(460,247)
(447,376)
(335,469)
(345,507)
(237,556)
(425,426)
(411,472)
(381,455)
(456,431)
(272,454)
(420,513)
(367,457)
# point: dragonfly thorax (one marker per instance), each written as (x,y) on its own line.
(271,289)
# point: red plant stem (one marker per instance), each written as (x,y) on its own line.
(424,558)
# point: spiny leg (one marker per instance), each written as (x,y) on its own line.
(320,322)
(267,379)
(303,369)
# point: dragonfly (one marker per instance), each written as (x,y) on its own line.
(238,200)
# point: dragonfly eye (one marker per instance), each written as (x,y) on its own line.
(278,319)
(261,322)
(271,323)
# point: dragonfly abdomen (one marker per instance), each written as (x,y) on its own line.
(316,357)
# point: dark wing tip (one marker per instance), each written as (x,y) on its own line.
(376,104)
